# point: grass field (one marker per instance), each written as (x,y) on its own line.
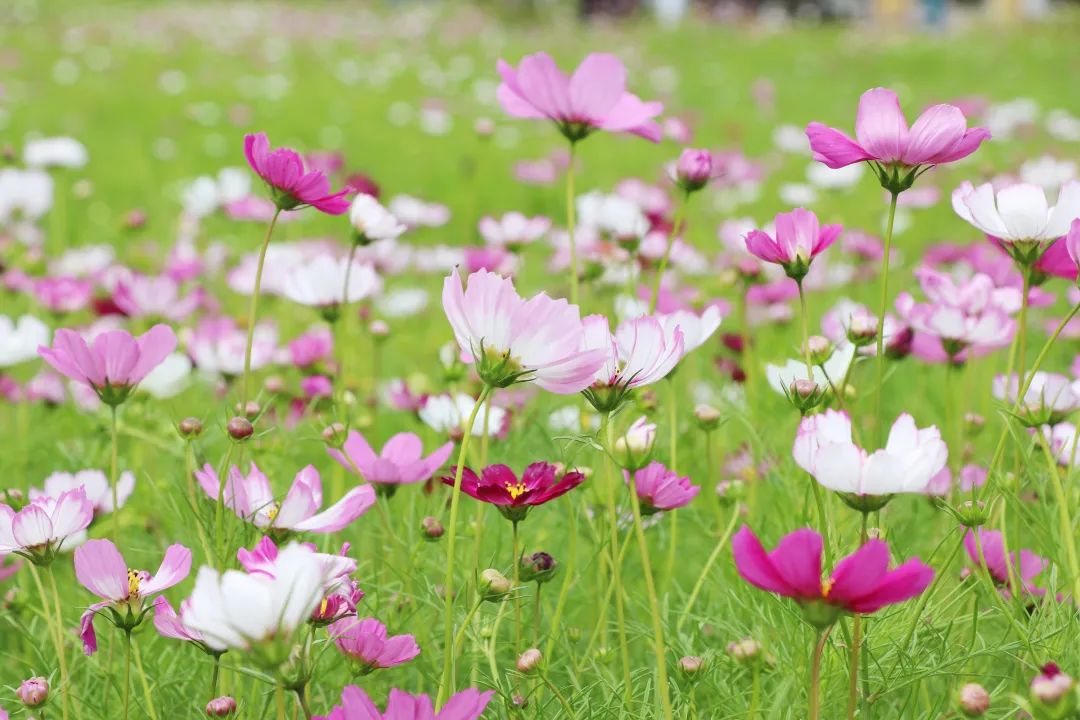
(160,93)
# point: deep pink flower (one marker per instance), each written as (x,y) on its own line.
(661,489)
(940,135)
(114,363)
(101,569)
(694,169)
(799,239)
(63,294)
(861,583)
(401,461)
(356,705)
(1027,567)
(498,485)
(311,347)
(593,98)
(367,642)
(291,185)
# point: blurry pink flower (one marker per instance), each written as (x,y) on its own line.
(401,461)
(216,345)
(313,346)
(897,153)
(114,363)
(252,499)
(366,642)
(291,186)
(693,170)
(861,583)
(94,482)
(1027,567)
(101,569)
(799,239)
(640,353)
(39,530)
(155,297)
(536,172)
(511,339)
(661,489)
(1072,245)
(594,98)
(63,294)
(513,230)
(494,259)
(356,705)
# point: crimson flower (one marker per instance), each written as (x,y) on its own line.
(498,485)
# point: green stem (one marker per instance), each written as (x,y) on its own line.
(279,697)
(856,640)
(517,588)
(673,422)
(567,707)
(127,671)
(114,474)
(815,674)
(54,621)
(806,332)
(145,682)
(340,326)
(253,310)
(924,599)
(446,681)
(676,227)
(571,222)
(1066,535)
(616,563)
(460,636)
(568,579)
(705,570)
(881,317)
(215,674)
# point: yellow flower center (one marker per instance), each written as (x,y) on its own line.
(273,510)
(826,586)
(322,606)
(516,490)
(134,577)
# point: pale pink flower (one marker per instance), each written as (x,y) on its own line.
(513,230)
(154,296)
(63,294)
(39,530)
(641,352)
(799,238)
(401,461)
(367,642)
(94,482)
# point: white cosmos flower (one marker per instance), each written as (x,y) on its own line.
(19,340)
(612,215)
(24,194)
(696,329)
(513,229)
(402,302)
(55,152)
(170,378)
(1018,213)
(910,459)
(320,282)
(835,369)
(372,221)
(447,414)
(641,351)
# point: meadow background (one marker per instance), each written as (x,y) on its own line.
(163,92)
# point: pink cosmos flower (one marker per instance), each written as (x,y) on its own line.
(101,569)
(940,135)
(799,239)
(216,345)
(661,489)
(861,583)
(39,530)
(541,482)
(513,230)
(366,642)
(291,185)
(1072,247)
(311,347)
(63,294)
(252,499)
(154,296)
(1027,567)
(94,482)
(399,463)
(114,363)
(170,624)
(641,352)
(356,705)
(593,98)
(515,340)
(908,462)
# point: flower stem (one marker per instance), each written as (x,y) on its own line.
(659,647)
(614,559)
(673,415)
(215,673)
(881,317)
(446,681)
(856,642)
(676,227)
(145,685)
(253,310)
(460,636)
(568,579)
(55,623)
(516,574)
(127,671)
(806,332)
(279,696)
(114,464)
(705,570)
(340,328)
(571,222)
(1066,535)
(815,674)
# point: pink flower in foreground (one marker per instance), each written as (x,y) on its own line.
(367,642)
(101,569)
(861,583)
(512,340)
(39,530)
(661,489)
(356,705)
(291,185)
(401,461)
(799,239)
(641,352)
(897,153)
(993,559)
(114,363)
(593,98)
(252,499)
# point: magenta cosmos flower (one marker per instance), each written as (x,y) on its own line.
(291,185)
(593,98)
(401,461)
(498,485)
(799,239)
(100,568)
(661,489)
(356,705)
(39,530)
(1027,567)
(114,363)
(511,340)
(897,153)
(367,642)
(252,499)
(861,583)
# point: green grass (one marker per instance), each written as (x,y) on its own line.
(226,52)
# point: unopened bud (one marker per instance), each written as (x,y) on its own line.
(708,417)
(519,701)
(538,567)
(744,650)
(529,660)
(223,706)
(493,585)
(1053,687)
(862,330)
(805,388)
(379,329)
(431,528)
(189,428)
(275,385)
(335,434)
(819,348)
(691,665)
(974,423)
(484,127)
(973,699)
(33,692)
(239,428)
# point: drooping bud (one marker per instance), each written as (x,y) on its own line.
(431,528)
(493,585)
(239,429)
(973,700)
(223,706)
(189,428)
(33,692)
(529,660)
(538,567)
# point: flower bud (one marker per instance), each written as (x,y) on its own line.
(250,409)
(862,329)
(744,650)
(484,127)
(134,219)
(730,491)
(450,359)
(634,449)
(538,567)
(804,394)
(708,417)
(223,706)
(973,423)
(691,665)
(431,528)
(694,169)
(493,585)
(819,349)
(33,692)
(529,660)
(973,699)
(335,434)
(239,429)
(1054,689)
(972,514)
(519,701)
(189,428)
(379,329)
(275,385)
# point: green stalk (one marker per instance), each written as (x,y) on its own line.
(806,332)
(705,570)
(616,563)
(253,311)
(1066,535)
(856,640)
(881,317)
(114,474)
(814,690)
(571,222)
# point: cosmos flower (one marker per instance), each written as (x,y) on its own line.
(1018,213)
(367,643)
(401,461)
(661,489)
(320,283)
(20,339)
(356,705)
(799,238)
(447,413)
(291,186)
(41,529)
(541,482)
(641,352)
(1027,566)
(513,230)
(93,482)
(371,221)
